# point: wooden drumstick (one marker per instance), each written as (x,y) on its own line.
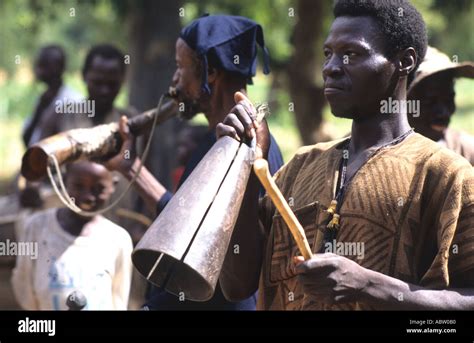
(260,167)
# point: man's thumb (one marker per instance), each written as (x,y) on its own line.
(239,96)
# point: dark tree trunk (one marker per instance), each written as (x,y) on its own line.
(303,68)
(154,28)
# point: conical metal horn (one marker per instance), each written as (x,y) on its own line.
(184,249)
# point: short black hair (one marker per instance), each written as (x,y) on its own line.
(106,51)
(398,20)
(58,53)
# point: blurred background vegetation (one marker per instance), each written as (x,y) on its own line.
(147,30)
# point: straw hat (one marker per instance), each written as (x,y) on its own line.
(435,62)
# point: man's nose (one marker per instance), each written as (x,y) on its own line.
(443,111)
(333,67)
(175,79)
(105,90)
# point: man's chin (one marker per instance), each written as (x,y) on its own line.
(439,127)
(342,114)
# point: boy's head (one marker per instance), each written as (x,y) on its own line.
(373,49)
(89,184)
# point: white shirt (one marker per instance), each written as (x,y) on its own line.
(64,94)
(98,265)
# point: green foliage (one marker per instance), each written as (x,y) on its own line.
(26,25)
(273,15)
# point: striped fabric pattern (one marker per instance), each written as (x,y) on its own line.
(411,206)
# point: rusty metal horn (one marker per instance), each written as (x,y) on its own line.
(184,249)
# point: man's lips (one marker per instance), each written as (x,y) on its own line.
(438,128)
(87,206)
(440,123)
(333,88)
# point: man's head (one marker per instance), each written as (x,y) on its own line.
(50,63)
(90,184)
(212,52)
(372,50)
(104,72)
(433,87)
(187,80)
(436,96)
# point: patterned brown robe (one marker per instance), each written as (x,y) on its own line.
(411,204)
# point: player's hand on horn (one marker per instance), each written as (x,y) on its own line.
(241,124)
(127,157)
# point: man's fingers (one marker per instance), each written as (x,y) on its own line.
(297,260)
(239,123)
(245,119)
(239,96)
(226,130)
(317,264)
(232,120)
(123,127)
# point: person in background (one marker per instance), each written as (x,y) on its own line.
(76,252)
(434,88)
(48,68)
(189,138)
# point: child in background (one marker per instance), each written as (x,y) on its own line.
(189,138)
(88,254)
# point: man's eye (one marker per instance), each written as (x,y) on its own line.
(327,53)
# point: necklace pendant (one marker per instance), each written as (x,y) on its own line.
(334,223)
(332,207)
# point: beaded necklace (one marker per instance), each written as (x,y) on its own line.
(342,184)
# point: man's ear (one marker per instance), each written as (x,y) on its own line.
(212,74)
(406,62)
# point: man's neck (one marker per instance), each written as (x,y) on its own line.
(54,84)
(221,103)
(101,114)
(379,129)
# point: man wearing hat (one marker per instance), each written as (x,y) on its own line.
(434,88)
(216,56)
